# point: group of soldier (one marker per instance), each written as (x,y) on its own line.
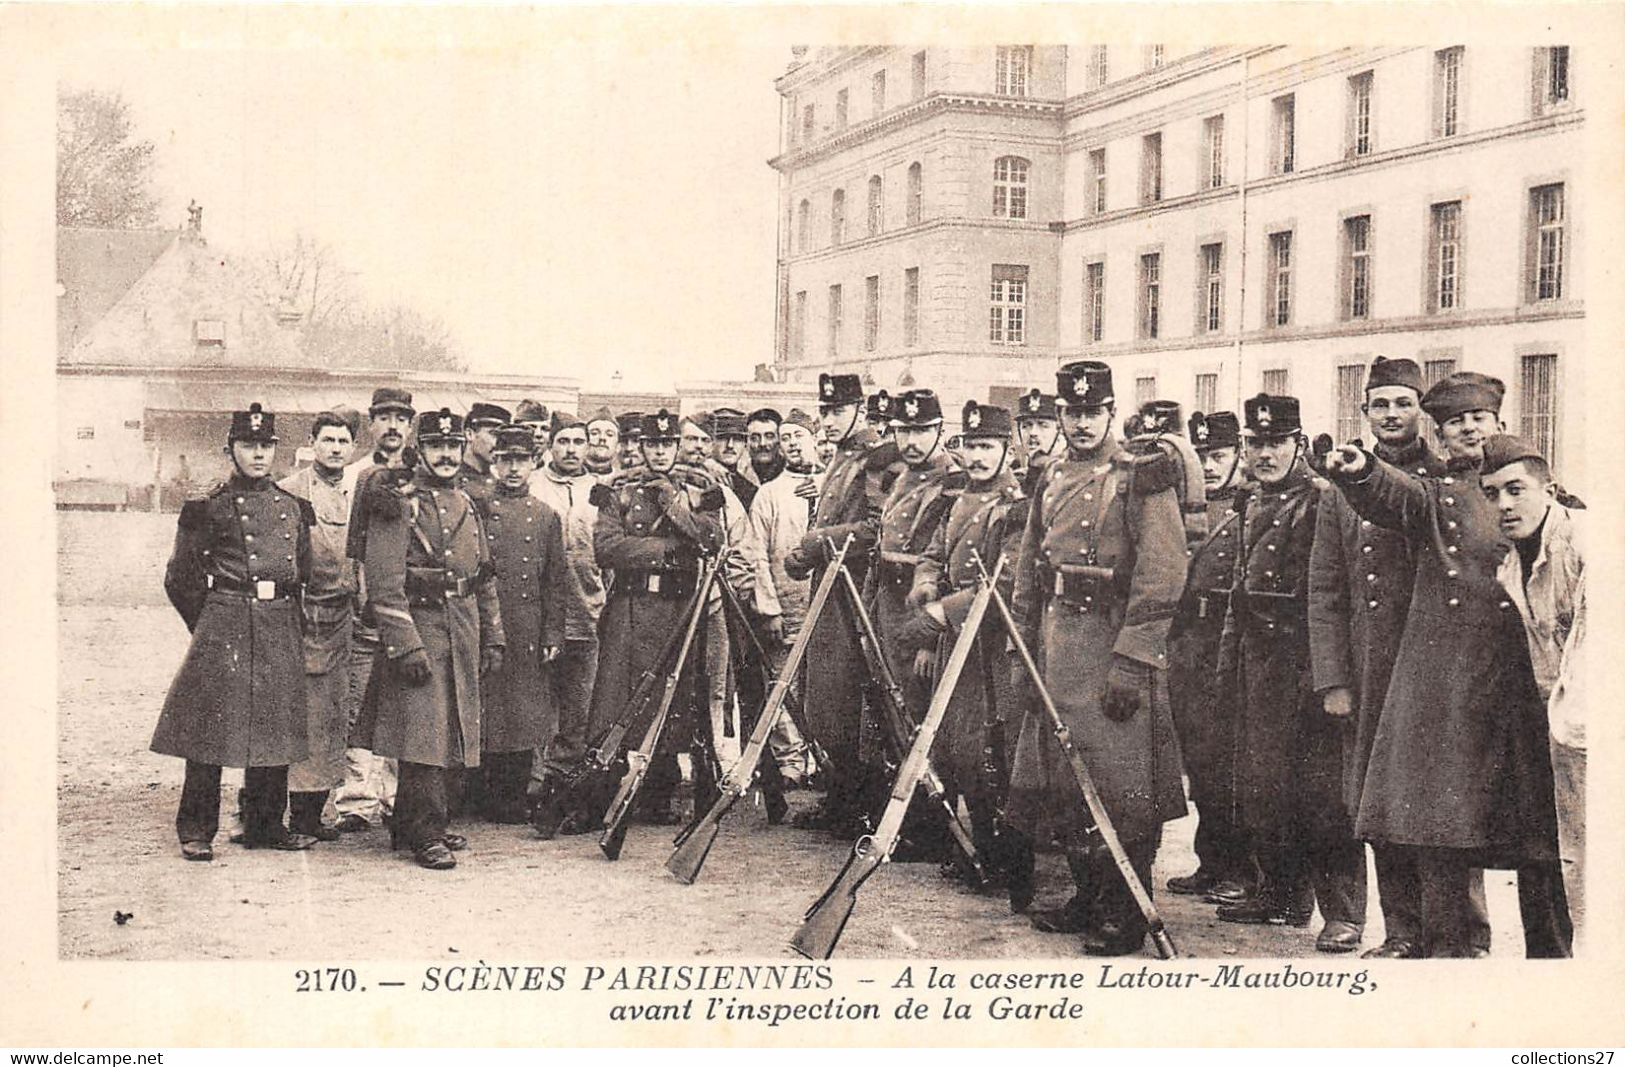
(1332,646)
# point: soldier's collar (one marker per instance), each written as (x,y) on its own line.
(239,480)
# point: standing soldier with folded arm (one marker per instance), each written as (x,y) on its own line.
(241,560)
(1102,566)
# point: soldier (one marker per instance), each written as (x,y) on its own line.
(428,580)
(481,425)
(241,560)
(1288,750)
(878,410)
(1204,708)
(762,438)
(534,416)
(729,437)
(653,528)
(629,427)
(972,751)
(1460,770)
(1360,581)
(526,541)
(603,444)
(1038,430)
(855,484)
(1160,434)
(1102,565)
(328,486)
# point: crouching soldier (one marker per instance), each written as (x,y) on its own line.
(428,580)
(241,560)
(526,541)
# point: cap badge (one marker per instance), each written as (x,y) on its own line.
(255,420)
(445,424)
(973,418)
(911,408)
(829,387)
(883,402)
(1033,401)
(663,424)
(1263,417)
(1083,391)
(1201,431)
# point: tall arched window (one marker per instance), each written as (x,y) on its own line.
(875,205)
(837,217)
(804,227)
(912,213)
(1010,187)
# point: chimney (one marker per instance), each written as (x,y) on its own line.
(194,224)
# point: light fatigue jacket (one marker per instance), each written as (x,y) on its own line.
(778,522)
(1552,603)
(330,593)
(584,592)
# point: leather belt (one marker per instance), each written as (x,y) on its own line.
(670,584)
(435,587)
(267,589)
(894,572)
(1212,604)
(1087,587)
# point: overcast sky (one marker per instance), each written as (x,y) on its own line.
(591,206)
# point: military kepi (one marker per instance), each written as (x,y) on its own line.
(1272,416)
(984,420)
(879,406)
(389,398)
(1218,430)
(255,425)
(1386,372)
(482,414)
(1162,416)
(1036,405)
(1462,392)
(1504,449)
(514,441)
(442,425)
(1086,383)
(661,426)
(630,425)
(917,407)
(836,389)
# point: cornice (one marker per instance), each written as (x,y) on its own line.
(916,111)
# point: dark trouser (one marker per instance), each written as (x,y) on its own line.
(574,673)
(505,774)
(1399,893)
(265,796)
(1544,907)
(1331,873)
(1099,880)
(1221,845)
(1453,916)
(420,804)
(305,811)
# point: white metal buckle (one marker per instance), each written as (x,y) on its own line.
(264,590)
(654,583)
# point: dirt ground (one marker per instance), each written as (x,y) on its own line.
(512,897)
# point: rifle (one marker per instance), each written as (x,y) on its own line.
(638,759)
(900,726)
(825,920)
(695,841)
(1160,937)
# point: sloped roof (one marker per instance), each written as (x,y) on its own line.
(154,322)
(94,268)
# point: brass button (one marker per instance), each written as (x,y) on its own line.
(1453,602)
(1371,603)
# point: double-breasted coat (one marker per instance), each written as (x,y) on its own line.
(525,538)
(1204,706)
(1460,756)
(980,524)
(651,532)
(1360,581)
(428,580)
(1289,752)
(1087,512)
(909,520)
(238,699)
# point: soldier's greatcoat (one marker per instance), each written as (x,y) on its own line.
(909,520)
(1460,755)
(1288,760)
(416,545)
(238,699)
(526,541)
(1086,512)
(1204,707)
(1360,581)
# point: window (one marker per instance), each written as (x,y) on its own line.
(1014,65)
(1350,395)
(876,205)
(1435,371)
(1207,393)
(798,327)
(911,307)
(1277,382)
(1537,415)
(1010,187)
(1210,305)
(840,109)
(1213,150)
(1007,310)
(1546,242)
(1360,140)
(804,226)
(1283,110)
(1099,66)
(1357,267)
(1551,79)
(919,75)
(1444,257)
(1097,180)
(209,333)
(837,217)
(1151,168)
(808,122)
(1150,294)
(871,312)
(1447,91)
(1094,301)
(834,320)
(1145,390)
(1278,291)
(1154,56)
(912,213)
(877,92)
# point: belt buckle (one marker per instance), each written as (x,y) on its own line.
(264,590)
(1060,582)
(654,583)
(1201,607)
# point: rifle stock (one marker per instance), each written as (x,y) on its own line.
(694,843)
(824,922)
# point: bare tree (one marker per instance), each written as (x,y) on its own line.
(304,275)
(103,175)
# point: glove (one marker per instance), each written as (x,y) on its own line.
(490,659)
(550,653)
(925,662)
(919,631)
(796,565)
(1339,702)
(414,667)
(919,596)
(1123,683)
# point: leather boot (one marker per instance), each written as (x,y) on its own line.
(305,816)
(1020,867)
